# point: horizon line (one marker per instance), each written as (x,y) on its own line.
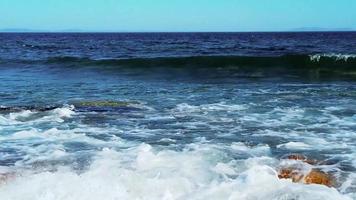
(74,30)
(79,31)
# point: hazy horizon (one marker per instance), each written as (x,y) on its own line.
(302,29)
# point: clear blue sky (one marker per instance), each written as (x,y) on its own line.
(176,15)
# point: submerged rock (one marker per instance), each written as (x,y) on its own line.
(15,109)
(107,106)
(104,103)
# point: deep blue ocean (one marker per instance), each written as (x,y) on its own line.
(175,115)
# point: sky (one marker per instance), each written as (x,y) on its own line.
(176,15)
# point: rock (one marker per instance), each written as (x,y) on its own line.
(107,106)
(318,177)
(301,158)
(296,157)
(6,110)
(104,103)
(298,175)
(313,177)
(290,173)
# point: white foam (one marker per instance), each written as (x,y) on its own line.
(19,115)
(16,117)
(222,106)
(337,57)
(24,117)
(259,150)
(143,172)
(294,145)
(202,170)
(64,112)
(49,134)
(224,169)
(24,134)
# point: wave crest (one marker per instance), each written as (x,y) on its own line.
(336,57)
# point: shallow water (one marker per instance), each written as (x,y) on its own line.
(169,133)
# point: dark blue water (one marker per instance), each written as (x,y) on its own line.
(175,115)
(137,45)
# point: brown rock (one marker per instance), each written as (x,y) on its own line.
(296,157)
(301,158)
(313,177)
(289,173)
(318,177)
(296,173)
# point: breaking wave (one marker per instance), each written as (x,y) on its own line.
(306,66)
(144,172)
(341,60)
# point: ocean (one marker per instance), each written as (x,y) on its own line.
(88,116)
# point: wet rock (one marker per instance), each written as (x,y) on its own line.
(6,110)
(106,106)
(318,177)
(301,158)
(299,174)
(290,173)
(15,109)
(296,157)
(104,103)
(313,177)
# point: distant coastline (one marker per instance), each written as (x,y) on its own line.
(302,29)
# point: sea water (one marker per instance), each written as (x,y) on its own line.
(175,116)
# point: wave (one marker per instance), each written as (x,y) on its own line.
(333,56)
(217,61)
(317,65)
(200,171)
(24,114)
(80,106)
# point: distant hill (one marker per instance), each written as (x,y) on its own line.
(321,29)
(23,30)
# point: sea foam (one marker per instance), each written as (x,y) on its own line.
(143,172)
(336,57)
